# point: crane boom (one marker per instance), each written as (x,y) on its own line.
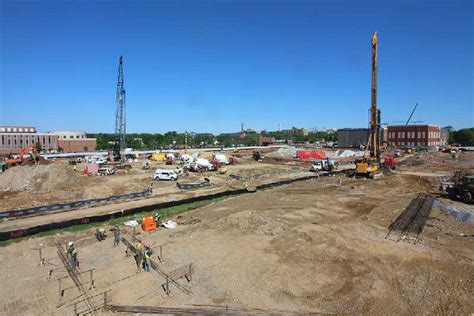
(409,118)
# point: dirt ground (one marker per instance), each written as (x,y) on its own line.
(307,247)
(32,186)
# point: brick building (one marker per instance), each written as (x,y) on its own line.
(414,135)
(72,141)
(265,141)
(14,138)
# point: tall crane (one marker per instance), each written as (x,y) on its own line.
(120,115)
(370,163)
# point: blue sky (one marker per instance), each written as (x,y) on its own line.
(207,66)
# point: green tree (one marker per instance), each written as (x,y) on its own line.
(38,147)
(463,136)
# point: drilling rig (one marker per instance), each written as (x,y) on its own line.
(120,117)
(369,165)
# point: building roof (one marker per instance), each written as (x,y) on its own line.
(353,129)
(415,125)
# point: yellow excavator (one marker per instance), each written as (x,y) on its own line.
(369,165)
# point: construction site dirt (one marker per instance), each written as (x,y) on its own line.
(316,246)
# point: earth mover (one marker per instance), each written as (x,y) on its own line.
(462,186)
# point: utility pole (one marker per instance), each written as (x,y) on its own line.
(120,115)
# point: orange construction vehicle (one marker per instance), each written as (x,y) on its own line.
(31,150)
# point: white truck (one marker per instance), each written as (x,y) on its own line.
(323,165)
(222,159)
(165,174)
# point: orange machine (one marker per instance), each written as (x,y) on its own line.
(27,150)
(148,223)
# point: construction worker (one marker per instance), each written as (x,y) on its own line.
(100,233)
(72,252)
(116,230)
(150,188)
(156,217)
(138,254)
(146,259)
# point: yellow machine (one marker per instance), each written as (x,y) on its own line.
(369,165)
(158,156)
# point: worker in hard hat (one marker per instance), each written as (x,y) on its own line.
(100,233)
(156,217)
(116,230)
(138,254)
(147,259)
(72,252)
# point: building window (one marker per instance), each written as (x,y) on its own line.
(2,129)
(3,139)
(9,129)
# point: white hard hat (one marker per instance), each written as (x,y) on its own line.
(70,244)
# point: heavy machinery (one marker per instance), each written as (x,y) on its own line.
(31,151)
(462,185)
(369,164)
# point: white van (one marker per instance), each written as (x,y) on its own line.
(165,174)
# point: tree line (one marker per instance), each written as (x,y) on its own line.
(142,141)
(464,137)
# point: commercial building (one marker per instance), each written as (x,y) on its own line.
(14,138)
(414,135)
(352,137)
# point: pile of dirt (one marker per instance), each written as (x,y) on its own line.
(253,222)
(40,178)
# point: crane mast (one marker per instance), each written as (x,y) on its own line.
(120,118)
(374,131)
(369,165)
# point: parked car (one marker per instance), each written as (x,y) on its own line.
(165,174)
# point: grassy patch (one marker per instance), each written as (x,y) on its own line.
(165,213)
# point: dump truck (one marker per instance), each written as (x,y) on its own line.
(462,186)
